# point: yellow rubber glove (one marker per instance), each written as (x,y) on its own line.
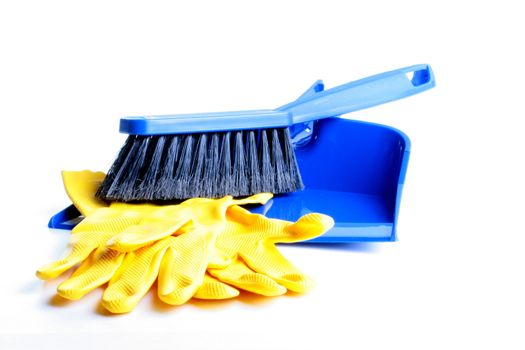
(180,262)
(148,249)
(101,223)
(249,240)
(213,289)
(90,237)
(246,240)
(81,187)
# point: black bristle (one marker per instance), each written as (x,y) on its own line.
(210,184)
(224,174)
(282,178)
(290,161)
(149,182)
(239,185)
(253,169)
(133,177)
(117,166)
(166,168)
(114,191)
(196,181)
(166,183)
(183,173)
(267,175)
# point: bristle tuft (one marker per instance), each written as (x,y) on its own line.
(252,159)
(239,175)
(267,175)
(168,168)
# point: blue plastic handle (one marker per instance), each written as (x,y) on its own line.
(316,87)
(313,105)
(361,94)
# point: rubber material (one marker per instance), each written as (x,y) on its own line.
(132,245)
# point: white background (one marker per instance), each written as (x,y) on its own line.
(69,70)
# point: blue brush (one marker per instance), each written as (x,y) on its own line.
(174,157)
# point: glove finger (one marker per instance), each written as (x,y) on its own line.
(308,226)
(244,228)
(213,289)
(91,233)
(183,267)
(266,259)
(94,272)
(242,223)
(134,278)
(259,198)
(81,187)
(210,212)
(80,250)
(149,230)
(241,276)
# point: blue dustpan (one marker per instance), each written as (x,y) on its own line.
(353,171)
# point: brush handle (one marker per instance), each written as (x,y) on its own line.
(361,94)
(314,104)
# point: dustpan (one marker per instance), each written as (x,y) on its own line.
(352,170)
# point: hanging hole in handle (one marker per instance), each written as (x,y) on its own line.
(419,77)
(319,86)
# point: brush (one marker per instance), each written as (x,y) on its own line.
(173,157)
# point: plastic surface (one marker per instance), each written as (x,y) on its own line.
(65,219)
(363,93)
(360,94)
(302,132)
(204,122)
(353,171)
